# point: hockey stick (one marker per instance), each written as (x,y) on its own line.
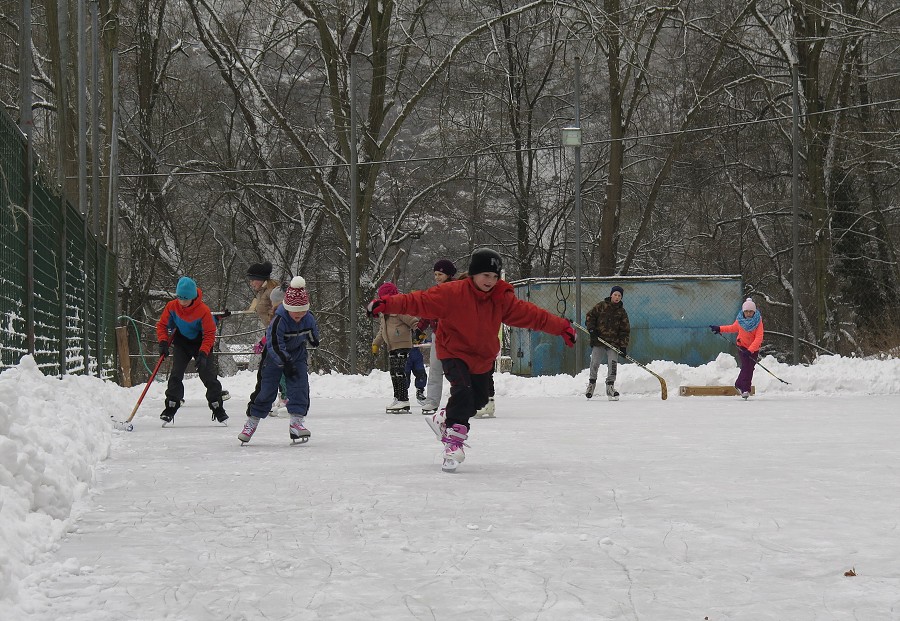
(662,382)
(126,425)
(755,359)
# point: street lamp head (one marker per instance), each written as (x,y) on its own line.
(571,136)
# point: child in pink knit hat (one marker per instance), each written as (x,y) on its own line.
(749,328)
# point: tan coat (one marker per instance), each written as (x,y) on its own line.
(395,331)
(262,303)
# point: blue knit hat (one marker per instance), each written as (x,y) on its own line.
(617,288)
(186,289)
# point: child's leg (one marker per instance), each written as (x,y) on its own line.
(268,390)
(175,389)
(298,388)
(461,405)
(417,365)
(399,379)
(212,383)
(482,388)
(612,363)
(407,369)
(597,358)
(745,377)
(435,379)
(255,393)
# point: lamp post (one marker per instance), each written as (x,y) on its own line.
(571,137)
(354,199)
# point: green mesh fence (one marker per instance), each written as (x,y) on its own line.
(73,304)
(12,249)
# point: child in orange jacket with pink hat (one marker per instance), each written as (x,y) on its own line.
(749,328)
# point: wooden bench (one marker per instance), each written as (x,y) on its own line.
(711,391)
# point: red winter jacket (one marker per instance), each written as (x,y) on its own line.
(192,322)
(469,319)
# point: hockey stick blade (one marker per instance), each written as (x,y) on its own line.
(664,390)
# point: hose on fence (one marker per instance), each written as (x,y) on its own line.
(134,323)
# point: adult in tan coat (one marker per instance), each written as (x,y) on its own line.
(259,276)
(395,332)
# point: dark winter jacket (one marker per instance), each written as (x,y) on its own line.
(287,339)
(193,322)
(469,319)
(609,321)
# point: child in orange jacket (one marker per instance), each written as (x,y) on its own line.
(469,314)
(749,328)
(186,328)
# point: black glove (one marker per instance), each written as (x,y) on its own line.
(164,349)
(375,307)
(313,341)
(624,352)
(289,369)
(716,329)
(225,313)
(202,362)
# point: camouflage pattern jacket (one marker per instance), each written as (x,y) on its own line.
(609,321)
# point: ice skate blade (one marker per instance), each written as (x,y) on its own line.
(449,465)
(298,441)
(438,432)
(166,423)
(402,411)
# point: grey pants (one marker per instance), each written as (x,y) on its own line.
(435,385)
(599,355)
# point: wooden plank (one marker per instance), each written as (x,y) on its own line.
(124,358)
(711,391)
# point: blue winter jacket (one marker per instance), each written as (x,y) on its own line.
(287,339)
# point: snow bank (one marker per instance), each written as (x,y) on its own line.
(53,433)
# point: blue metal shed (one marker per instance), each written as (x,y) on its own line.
(669,315)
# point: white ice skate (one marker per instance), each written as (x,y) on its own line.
(279,408)
(429,407)
(398,407)
(454,439)
(299,433)
(611,393)
(248,430)
(438,423)
(487,411)
(589,390)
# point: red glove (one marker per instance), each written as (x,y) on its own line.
(375,307)
(569,336)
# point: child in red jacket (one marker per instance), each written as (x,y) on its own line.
(749,327)
(186,327)
(469,314)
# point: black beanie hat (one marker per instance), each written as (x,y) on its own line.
(485,260)
(445,266)
(260,271)
(617,288)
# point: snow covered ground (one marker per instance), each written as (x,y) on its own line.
(687,509)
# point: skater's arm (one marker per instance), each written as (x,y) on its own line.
(208,325)
(276,339)
(521,314)
(430,303)
(732,327)
(163,325)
